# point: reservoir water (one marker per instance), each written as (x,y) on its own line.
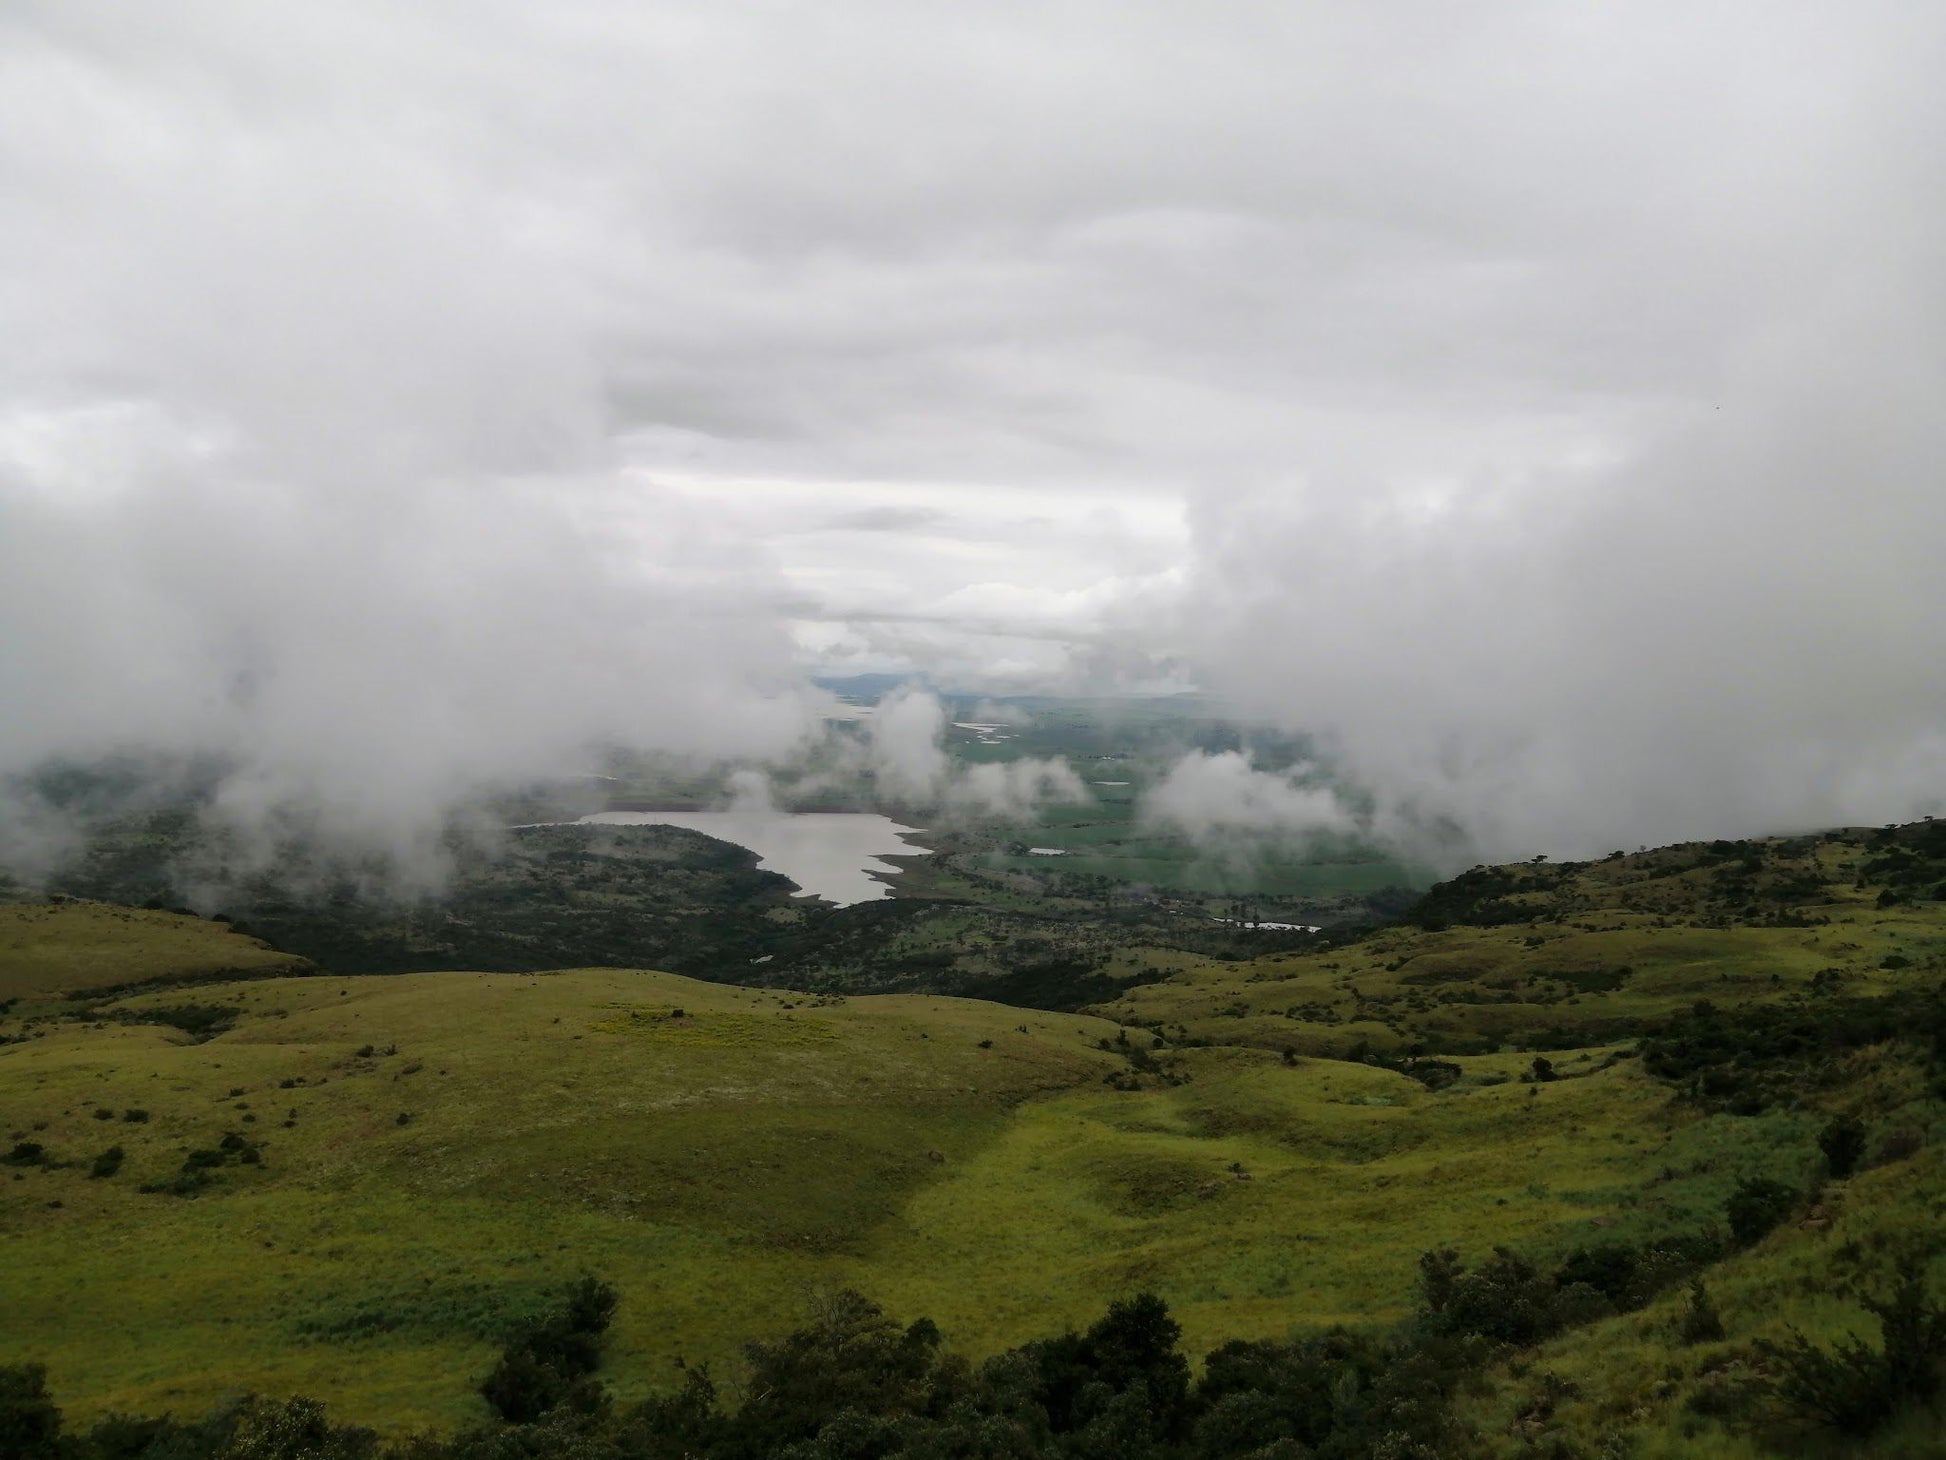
(830,854)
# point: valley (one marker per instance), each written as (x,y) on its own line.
(349,1186)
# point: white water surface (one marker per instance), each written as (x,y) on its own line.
(835,855)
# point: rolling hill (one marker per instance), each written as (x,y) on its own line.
(351,1187)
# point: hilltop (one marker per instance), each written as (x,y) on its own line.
(1540,956)
(74,947)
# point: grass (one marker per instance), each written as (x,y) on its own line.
(1577,981)
(1633,1374)
(440,1148)
(77,947)
(715,1163)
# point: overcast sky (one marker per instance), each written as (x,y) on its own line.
(1542,399)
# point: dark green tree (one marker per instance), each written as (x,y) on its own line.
(1700,1323)
(30,1421)
(1843,1144)
(1756,1207)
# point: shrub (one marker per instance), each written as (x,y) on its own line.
(136,1117)
(134,1437)
(1506,1300)
(107,1163)
(548,1361)
(1609,1270)
(1132,1346)
(200,1022)
(521,1388)
(1700,1322)
(1433,1074)
(26,1153)
(1843,1144)
(852,1359)
(30,1422)
(1756,1207)
(189,1181)
(1856,1387)
(1256,1393)
(293,1429)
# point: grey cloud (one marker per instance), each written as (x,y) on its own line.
(1217,799)
(886,519)
(346,347)
(905,750)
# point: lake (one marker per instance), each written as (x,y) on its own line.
(829,854)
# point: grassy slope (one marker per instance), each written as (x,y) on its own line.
(1612,944)
(1630,1380)
(77,946)
(715,1164)
(1683,924)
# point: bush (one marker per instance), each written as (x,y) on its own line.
(30,1422)
(1256,1393)
(107,1163)
(1856,1387)
(201,1022)
(190,1181)
(26,1153)
(1507,1300)
(134,1437)
(521,1388)
(548,1361)
(852,1360)
(1700,1322)
(293,1429)
(1843,1144)
(1609,1270)
(1756,1207)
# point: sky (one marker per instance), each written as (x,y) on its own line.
(1537,402)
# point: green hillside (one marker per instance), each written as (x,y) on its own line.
(353,1188)
(51,949)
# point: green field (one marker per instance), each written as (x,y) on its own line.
(56,949)
(399,1167)
(714,1164)
(1119,749)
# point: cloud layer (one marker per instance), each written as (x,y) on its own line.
(1539,402)
(905,751)
(1225,796)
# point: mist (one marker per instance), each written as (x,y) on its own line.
(906,753)
(1220,797)
(1653,551)
(1538,407)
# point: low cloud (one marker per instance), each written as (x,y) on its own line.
(1222,797)
(907,755)
(1015,789)
(906,737)
(400,398)
(373,658)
